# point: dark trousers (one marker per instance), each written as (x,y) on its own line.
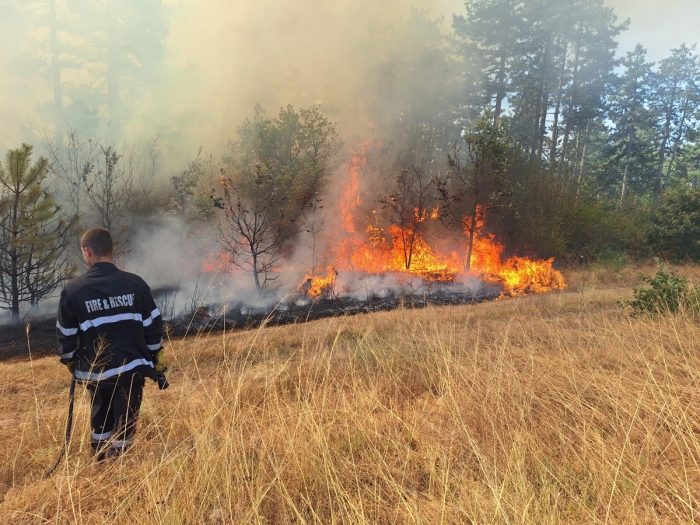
(115,409)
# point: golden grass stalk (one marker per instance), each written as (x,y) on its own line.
(558,408)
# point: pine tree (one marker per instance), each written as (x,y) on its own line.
(100,58)
(633,120)
(676,97)
(34,236)
(490,35)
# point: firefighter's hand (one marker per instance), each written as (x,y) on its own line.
(162,382)
(159,362)
(70,364)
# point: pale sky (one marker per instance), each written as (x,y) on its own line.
(659,25)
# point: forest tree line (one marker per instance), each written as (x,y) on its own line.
(521,113)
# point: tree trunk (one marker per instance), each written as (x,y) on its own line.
(14,257)
(662,148)
(14,288)
(557,109)
(626,173)
(501,86)
(677,141)
(540,106)
(113,102)
(56,79)
(544,100)
(572,98)
(258,287)
(408,249)
(471,228)
(582,165)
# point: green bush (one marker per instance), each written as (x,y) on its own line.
(667,293)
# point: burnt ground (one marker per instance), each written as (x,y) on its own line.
(17,341)
(40,337)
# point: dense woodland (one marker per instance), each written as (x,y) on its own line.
(522,121)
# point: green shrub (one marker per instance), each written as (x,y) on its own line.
(667,293)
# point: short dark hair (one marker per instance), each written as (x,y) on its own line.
(99,241)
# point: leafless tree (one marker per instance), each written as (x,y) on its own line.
(70,165)
(119,187)
(315,222)
(257,229)
(409,204)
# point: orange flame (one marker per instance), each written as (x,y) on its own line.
(316,286)
(219,262)
(520,275)
(364,243)
(383,248)
(350,198)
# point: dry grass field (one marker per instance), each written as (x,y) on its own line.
(556,408)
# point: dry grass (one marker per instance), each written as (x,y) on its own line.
(557,408)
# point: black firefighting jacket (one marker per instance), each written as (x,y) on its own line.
(108,324)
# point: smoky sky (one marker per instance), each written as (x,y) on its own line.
(223,57)
(278,51)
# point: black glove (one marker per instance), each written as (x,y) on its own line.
(70,364)
(162,382)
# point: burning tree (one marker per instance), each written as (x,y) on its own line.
(274,171)
(34,237)
(477,180)
(409,206)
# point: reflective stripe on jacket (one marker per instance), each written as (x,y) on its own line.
(109,323)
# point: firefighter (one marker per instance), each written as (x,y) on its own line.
(110,335)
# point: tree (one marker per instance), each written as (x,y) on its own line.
(490,31)
(34,236)
(112,189)
(71,165)
(633,119)
(545,63)
(676,96)
(100,59)
(675,226)
(409,204)
(315,220)
(273,172)
(109,189)
(687,166)
(586,79)
(477,180)
(192,199)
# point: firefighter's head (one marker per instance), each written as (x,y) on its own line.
(97,246)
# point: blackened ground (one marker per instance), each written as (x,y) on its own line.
(240,316)
(39,337)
